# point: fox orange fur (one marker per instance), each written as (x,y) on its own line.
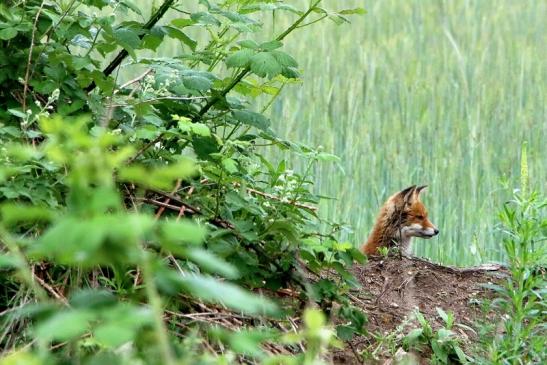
(402,217)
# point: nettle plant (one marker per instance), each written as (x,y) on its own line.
(157,189)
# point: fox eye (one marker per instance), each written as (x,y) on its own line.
(420,216)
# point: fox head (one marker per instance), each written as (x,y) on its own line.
(411,215)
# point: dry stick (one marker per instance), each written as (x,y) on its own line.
(27,72)
(156,217)
(123,53)
(136,79)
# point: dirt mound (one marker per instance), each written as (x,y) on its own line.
(392,288)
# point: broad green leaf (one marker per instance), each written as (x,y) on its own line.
(17,213)
(92,299)
(271,45)
(413,336)
(271,6)
(359,11)
(8,33)
(204,18)
(64,326)
(17,112)
(198,83)
(21,357)
(113,335)
(212,263)
(284,59)
(248,43)
(265,64)
(182,231)
(234,297)
(182,22)
(205,147)
(241,58)
(128,39)
(200,129)
(180,35)
(106,239)
(131,5)
(251,118)
(442,314)
(9,261)
(162,177)
(439,351)
(230,165)
(314,319)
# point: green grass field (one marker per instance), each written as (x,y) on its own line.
(423,92)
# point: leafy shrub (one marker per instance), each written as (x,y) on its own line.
(123,202)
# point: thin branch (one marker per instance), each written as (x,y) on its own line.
(273,197)
(177,98)
(50,289)
(133,81)
(246,70)
(27,72)
(123,53)
(216,98)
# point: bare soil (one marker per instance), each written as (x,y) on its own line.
(393,287)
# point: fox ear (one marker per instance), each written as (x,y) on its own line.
(420,188)
(407,193)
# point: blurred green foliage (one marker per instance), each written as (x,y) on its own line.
(128,206)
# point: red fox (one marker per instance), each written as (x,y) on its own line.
(402,217)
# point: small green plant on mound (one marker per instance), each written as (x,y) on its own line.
(443,342)
(520,336)
(127,206)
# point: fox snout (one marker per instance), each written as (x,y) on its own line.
(430,231)
(419,230)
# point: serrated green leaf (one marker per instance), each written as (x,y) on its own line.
(248,43)
(284,59)
(265,64)
(251,118)
(131,5)
(127,38)
(198,83)
(241,58)
(290,73)
(271,45)
(180,35)
(204,18)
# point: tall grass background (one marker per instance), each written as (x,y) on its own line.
(422,92)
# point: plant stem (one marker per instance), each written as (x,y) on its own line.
(23,267)
(157,309)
